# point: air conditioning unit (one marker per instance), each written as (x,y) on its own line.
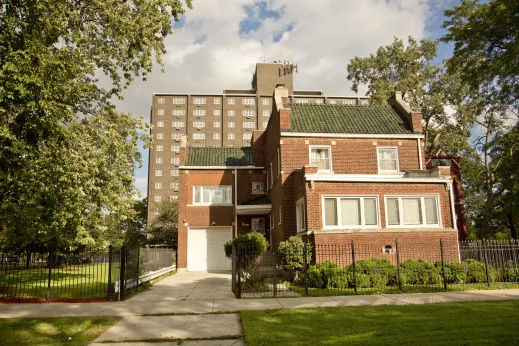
(199,105)
(178,104)
(198,141)
(248,116)
(198,129)
(248,128)
(248,140)
(248,106)
(198,116)
(176,153)
(178,128)
(176,190)
(177,139)
(178,116)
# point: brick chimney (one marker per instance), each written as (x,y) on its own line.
(280,97)
(414,118)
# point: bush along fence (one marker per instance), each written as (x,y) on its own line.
(108,274)
(300,269)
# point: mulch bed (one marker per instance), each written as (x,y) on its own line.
(52,300)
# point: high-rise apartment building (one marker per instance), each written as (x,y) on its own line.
(217,120)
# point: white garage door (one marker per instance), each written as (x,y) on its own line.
(205,248)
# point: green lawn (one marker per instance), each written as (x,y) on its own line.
(77,281)
(75,331)
(476,323)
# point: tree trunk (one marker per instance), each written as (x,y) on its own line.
(511,225)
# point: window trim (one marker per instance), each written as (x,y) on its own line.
(300,202)
(258,192)
(400,214)
(397,160)
(329,147)
(339,226)
(201,194)
(280,215)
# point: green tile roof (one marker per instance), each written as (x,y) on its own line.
(219,157)
(368,119)
(260,200)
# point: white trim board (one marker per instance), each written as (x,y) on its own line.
(373,179)
(350,135)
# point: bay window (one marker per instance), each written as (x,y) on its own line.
(207,195)
(412,211)
(350,211)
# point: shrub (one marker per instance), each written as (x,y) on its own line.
(454,272)
(320,273)
(291,252)
(475,271)
(338,278)
(381,272)
(419,272)
(254,243)
(509,274)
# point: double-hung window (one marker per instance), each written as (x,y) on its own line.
(199,100)
(322,157)
(207,195)
(300,215)
(412,211)
(387,159)
(350,212)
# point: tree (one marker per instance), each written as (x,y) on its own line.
(409,69)
(163,230)
(66,156)
(486,47)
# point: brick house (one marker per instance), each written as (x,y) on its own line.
(329,173)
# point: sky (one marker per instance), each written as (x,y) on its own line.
(216,45)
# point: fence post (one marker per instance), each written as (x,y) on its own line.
(122,286)
(109,289)
(443,265)
(49,264)
(238,268)
(398,265)
(486,261)
(353,266)
(274,274)
(305,265)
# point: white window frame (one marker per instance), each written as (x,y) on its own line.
(397,161)
(179,100)
(178,112)
(161,100)
(216,113)
(201,203)
(160,135)
(176,135)
(248,101)
(198,123)
(158,172)
(231,113)
(175,148)
(159,147)
(175,160)
(339,216)
(158,185)
(231,136)
(173,174)
(160,124)
(173,186)
(329,147)
(199,100)
(423,214)
(216,135)
(230,101)
(160,111)
(230,124)
(217,101)
(258,191)
(199,135)
(318,102)
(252,222)
(249,124)
(199,112)
(301,215)
(158,160)
(177,124)
(302,101)
(266,101)
(247,136)
(157,198)
(216,124)
(348,102)
(248,113)
(332,102)
(265,124)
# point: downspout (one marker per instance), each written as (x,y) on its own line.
(419,153)
(453,213)
(235,202)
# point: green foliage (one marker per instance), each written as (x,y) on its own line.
(419,272)
(252,243)
(320,274)
(475,270)
(454,272)
(291,252)
(66,156)
(381,271)
(163,230)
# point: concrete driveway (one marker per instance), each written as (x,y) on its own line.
(190,286)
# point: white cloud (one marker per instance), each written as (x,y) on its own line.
(208,53)
(141,184)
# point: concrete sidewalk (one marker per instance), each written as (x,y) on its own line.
(165,307)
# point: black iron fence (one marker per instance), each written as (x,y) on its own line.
(358,268)
(108,274)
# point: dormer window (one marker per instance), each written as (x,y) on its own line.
(387,159)
(322,157)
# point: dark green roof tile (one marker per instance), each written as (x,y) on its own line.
(219,157)
(260,200)
(368,119)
